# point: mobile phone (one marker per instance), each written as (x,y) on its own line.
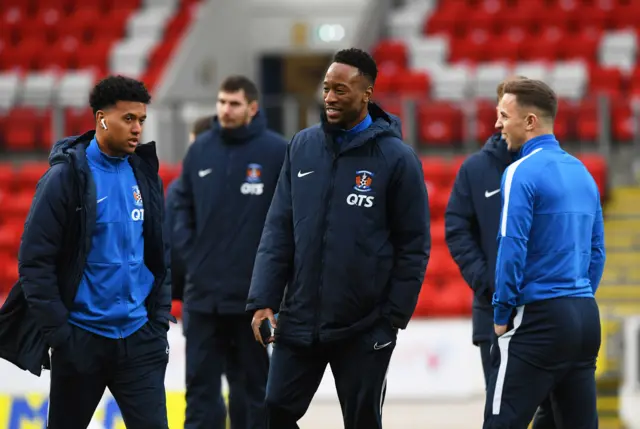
(265,331)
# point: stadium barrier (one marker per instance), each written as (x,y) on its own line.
(433,360)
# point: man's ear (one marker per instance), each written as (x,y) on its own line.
(253,108)
(368,93)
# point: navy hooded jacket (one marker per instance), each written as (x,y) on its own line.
(346,241)
(471,227)
(56,241)
(220,205)
(178,272)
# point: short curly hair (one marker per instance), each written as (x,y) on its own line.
(112,89)
(359,59)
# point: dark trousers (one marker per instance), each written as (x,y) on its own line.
(210,338)
(544,417)
(132,368)
(359,367)
(551,348)
(236,380)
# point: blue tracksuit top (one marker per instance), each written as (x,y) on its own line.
(551,234)
(116,282)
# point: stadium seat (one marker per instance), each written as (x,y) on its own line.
(390,55)
(440,123)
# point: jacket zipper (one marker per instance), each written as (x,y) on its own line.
(325,226)
(125,246)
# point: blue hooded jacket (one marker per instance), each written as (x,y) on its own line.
(346,242)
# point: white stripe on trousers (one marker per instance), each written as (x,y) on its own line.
(503,344)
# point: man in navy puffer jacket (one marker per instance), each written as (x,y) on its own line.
(228,178)
(347,236)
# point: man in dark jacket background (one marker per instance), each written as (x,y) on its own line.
(472,218)
(91,266)
(178,278)
(347,236)
(228,178)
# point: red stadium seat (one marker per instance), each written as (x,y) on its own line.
(390,54)
(29,174)
(587,128)
(438,170)
(440,123)
(413,84)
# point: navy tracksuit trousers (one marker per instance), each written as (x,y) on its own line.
(359,366)
(132,368)
(550,348)
(210,337)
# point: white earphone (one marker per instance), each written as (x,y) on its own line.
(104,125)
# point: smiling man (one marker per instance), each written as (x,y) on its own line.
(92,266)
(347,237)
(550,261)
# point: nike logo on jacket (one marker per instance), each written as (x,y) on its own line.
(115,284)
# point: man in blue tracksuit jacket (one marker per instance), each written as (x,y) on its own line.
(346,243)
(550,261)
(471,226)
(228,179)
(177,279)
(92,266)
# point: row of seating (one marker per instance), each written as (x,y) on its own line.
(438,123)
(459,17)
(444,123)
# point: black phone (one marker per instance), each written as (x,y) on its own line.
(265,331)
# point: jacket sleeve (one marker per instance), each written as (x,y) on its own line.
(175,279)
(596,267)
(274,259)
(184,210)
(40,247)
(164,294)
(462,236)
(518,195)
(408,208)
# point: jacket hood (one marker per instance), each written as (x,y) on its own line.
(496,146)
(254,128)
(62,148)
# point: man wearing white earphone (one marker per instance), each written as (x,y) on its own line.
(92,267)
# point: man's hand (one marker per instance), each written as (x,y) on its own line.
(500,329)
(258,318)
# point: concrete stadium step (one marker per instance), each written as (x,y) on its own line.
(626,259)
(621,225)
(623,241)
(618,292)
(624,201)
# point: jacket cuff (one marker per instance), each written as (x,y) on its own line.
(501,315)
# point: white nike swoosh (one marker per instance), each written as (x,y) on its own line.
(203,173)
(102,199)
(488,194)
(377,347)
(301,174)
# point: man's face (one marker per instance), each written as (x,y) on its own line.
(124,123)
(346,94)
(511,121)
(234,110)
